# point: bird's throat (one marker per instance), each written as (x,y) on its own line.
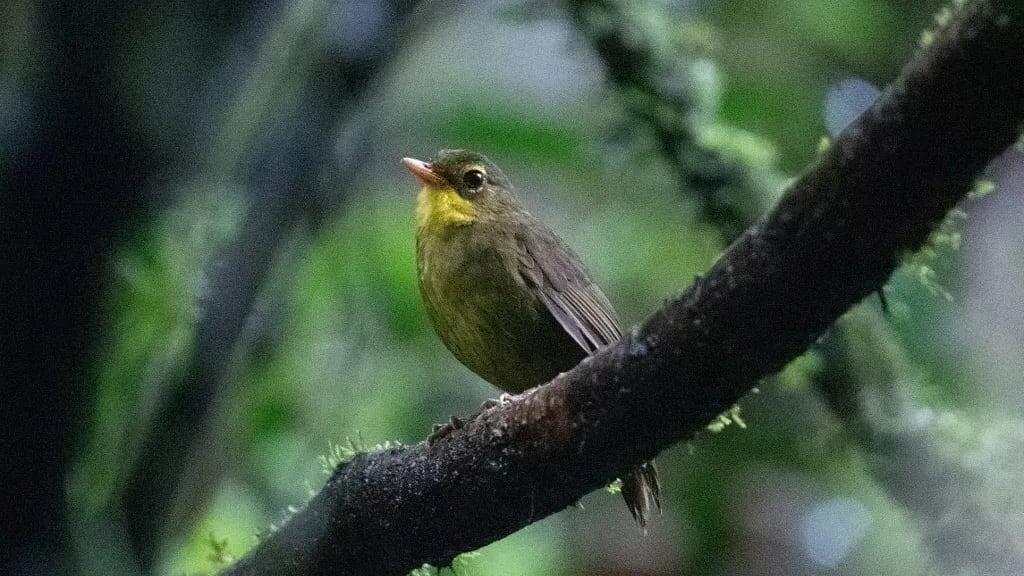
(442,207)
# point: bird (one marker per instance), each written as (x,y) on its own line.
(506,295)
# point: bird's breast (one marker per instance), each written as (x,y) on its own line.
(484,312)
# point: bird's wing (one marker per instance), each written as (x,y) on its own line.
(557,277)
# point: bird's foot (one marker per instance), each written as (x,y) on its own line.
(456,423)
(442,430)
(505,398)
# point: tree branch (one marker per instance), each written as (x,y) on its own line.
(861,361)
(656,89)
(961,529)
(834,237)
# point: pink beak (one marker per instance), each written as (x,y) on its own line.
(421,170)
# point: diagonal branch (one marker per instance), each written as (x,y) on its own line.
(860,362)
(834,237)
(657,90)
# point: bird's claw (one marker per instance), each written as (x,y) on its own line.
(505,398)
(456,423)
(442,430)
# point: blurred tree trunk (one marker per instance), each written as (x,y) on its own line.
(67,196)
(276,138)
(113,110)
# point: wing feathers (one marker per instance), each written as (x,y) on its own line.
(579,332)
(563,286)
(558,279)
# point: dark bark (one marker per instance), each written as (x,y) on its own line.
(907,462)
(834,238)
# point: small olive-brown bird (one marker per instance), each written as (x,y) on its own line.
(506,295)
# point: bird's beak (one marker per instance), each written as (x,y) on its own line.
(421,170)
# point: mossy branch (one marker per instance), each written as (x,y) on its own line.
(834,238)
(926,483)
(963,531)
(654,80)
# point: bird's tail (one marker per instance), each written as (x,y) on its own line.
(639,488)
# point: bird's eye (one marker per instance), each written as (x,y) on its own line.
(473,179)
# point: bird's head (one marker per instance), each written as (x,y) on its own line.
(460,188)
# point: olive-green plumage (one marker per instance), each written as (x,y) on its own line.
(505,294)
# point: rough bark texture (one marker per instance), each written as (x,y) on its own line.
(861,365)
(834,237)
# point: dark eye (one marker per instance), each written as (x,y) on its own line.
(473,179)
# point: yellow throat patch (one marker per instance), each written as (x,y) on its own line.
(442,207)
